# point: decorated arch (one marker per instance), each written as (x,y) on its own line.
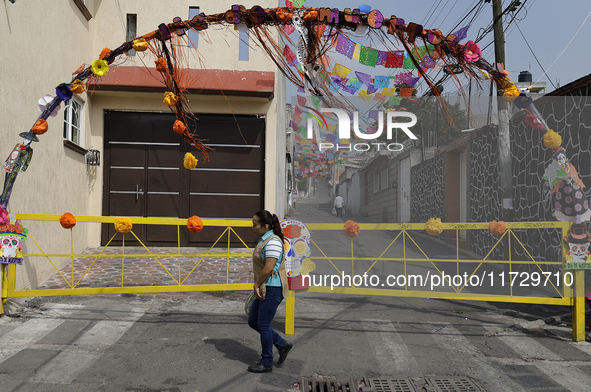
(309,38)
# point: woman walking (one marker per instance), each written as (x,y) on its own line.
(270,287)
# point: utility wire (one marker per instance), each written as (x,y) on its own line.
(536,57)
(566,46)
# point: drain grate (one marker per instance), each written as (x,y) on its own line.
(317,384)
(390,384)
(452,384)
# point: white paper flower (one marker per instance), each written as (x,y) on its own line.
(46,100)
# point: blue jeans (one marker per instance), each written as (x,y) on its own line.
(259,319)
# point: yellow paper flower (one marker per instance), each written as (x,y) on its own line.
(99,67)
(511,93)
(77,86)
(552,139)
(170,99)
(434,226)
(190,161)
(123,225)
(505,83)
(140,44)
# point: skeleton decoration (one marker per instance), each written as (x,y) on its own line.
(11,236)
(578,255)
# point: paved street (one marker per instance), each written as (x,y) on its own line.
(113,343)
(201,341)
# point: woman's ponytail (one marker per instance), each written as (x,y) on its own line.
(277,228)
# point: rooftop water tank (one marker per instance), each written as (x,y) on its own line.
(525,77)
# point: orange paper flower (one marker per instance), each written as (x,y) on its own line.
(497,227)
(310,16)
(67,220)
(179,127)
(123,225)
(160,64)
(40,127)
(104,53)
(194,224)
(351,228)
(284,16)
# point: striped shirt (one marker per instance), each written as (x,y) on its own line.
(273,249)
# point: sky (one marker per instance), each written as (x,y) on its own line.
(546,25)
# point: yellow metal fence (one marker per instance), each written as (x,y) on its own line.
(402,255)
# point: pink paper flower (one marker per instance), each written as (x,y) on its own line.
(472,51)
(3,216)
(533,122)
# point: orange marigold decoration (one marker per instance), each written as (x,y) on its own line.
(351,228)
(284,16)
(179,127)
(123,225)
(67,220)
(434,226)
(160,64)
(104,53)
(40,127)
(310,16)
(497,227)
(194,224)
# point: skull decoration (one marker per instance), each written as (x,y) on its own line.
(297,248)
(11,236)
(578,242)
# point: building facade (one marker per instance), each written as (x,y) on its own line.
(236,92)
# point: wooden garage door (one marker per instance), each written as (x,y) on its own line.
(144,174)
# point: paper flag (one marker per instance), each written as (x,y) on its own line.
(301,100)
(388,91)
(297,118)
(356,52)
(364,78)
(340,70)
(368,56)
(408,64)
(315,101)
(364,95)
(381,81)
(403,78)
(406,92)
(461,33)
(394,59)
(350,89)
(298,110)
(288,29)
(382,56)
(394,101)
(288,54)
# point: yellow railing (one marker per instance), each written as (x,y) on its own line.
(569,296)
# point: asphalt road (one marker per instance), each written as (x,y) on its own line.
(115,343)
